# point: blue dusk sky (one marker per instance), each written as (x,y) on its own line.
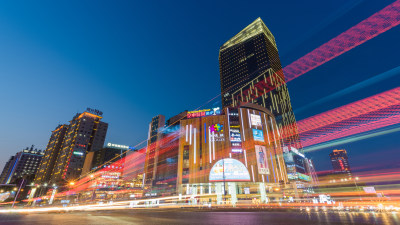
(134,60)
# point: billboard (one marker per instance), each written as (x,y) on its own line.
(229,170)
(258,135)
(303,177)
(297,175)
(255,120)
(262,161)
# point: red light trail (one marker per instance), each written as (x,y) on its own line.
(368,114)
(367,29)
(358,108)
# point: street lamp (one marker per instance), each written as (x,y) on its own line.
(355,183)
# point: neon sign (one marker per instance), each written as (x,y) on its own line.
(217,128)
(118,146)
(94,111)
(216,132)
(204,112)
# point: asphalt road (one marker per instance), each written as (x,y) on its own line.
(177,217)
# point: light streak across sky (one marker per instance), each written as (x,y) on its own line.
(372,113)
(332,134)
(346,140)
(358,108)
(367,29)
(366,83)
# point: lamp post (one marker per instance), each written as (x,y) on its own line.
(355,183)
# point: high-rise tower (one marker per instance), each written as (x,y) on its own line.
(85,133)
(50,155)
(250,71)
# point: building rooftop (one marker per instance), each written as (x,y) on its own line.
(255,28)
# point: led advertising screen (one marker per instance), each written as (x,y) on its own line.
(303,177)
(234,131)
(258,135)
(262,162)
(297,175)
(255,120)
(229,170)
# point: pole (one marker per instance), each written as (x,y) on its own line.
(355,183)
(19,189)
(223,176)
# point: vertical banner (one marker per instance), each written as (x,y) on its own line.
(234,130)
(262,163)
(33,191)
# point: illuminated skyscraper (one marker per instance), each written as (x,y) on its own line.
(50,155)
(340,162)
(250,71)
(85,133)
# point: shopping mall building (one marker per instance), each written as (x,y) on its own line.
(224,155)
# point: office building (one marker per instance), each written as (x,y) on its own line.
(50,155)
(86,132)
(251,72)
(23,165)
(106,156)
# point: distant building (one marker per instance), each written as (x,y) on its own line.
(106,165)
(104,157)
(86,132)
(23,165)
(155,125)
(50,155)
(340,162)
(6,170)
(160,169)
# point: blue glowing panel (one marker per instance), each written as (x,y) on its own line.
(258,135)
